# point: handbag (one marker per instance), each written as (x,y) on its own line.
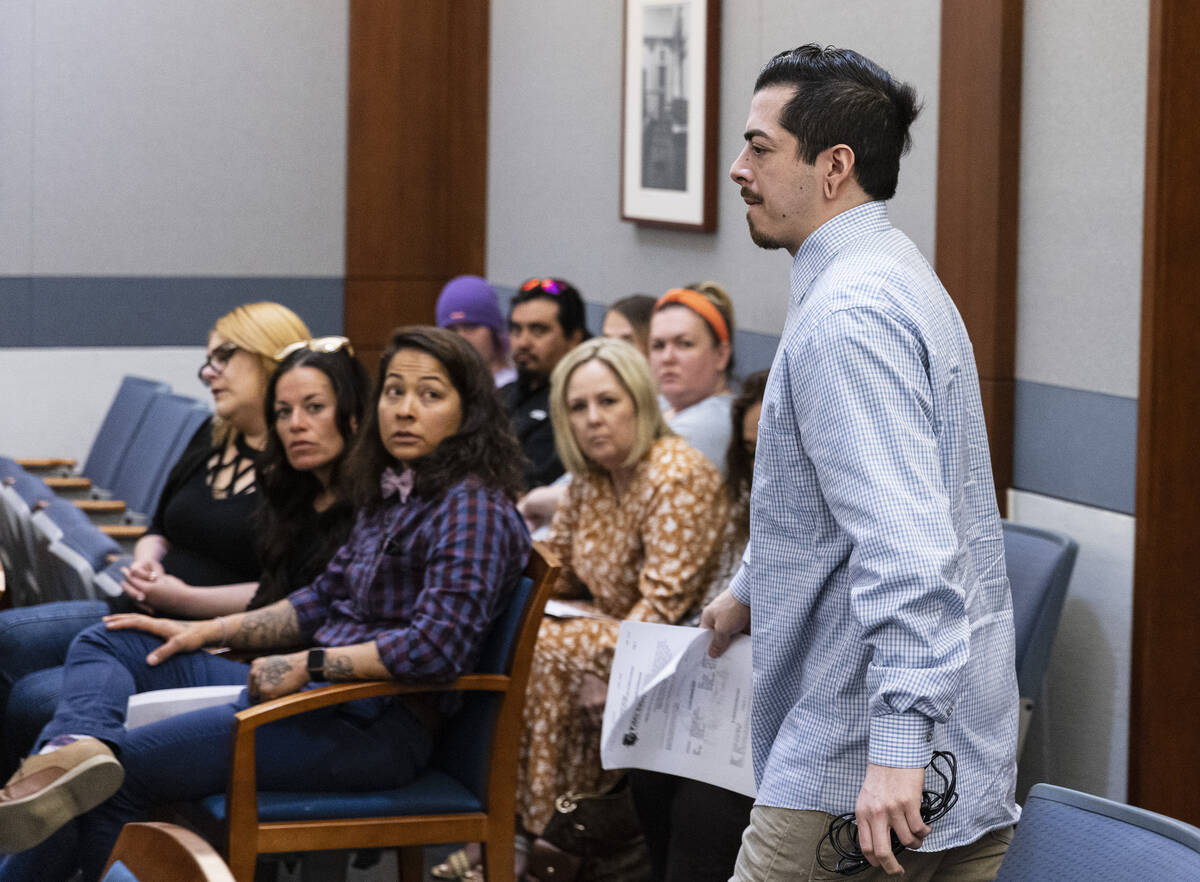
(592,837)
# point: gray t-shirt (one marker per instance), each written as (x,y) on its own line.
(705,426)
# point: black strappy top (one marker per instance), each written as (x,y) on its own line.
(210,533)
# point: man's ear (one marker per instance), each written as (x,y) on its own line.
(838,167)
(576,337)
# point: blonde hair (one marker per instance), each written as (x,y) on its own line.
(261,329)
(633,373)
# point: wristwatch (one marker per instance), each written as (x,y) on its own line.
(316,665)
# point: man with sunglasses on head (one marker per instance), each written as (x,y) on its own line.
(545,321)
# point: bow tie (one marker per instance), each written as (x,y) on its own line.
(394,484)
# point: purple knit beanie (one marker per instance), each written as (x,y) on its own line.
(471,300)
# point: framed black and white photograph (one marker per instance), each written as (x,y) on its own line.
(669,113)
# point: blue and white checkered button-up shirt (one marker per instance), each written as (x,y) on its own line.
(881,614)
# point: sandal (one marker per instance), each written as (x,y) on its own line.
(457,868)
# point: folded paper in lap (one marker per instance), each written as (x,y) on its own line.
(561,609)
(159,704)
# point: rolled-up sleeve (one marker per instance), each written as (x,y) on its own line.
(866,421)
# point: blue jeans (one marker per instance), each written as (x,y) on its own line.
(34,640)
(365,745)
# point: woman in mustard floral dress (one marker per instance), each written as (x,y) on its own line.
(638,536)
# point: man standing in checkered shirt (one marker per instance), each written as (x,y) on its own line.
(874,582)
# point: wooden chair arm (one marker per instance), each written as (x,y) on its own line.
(338,693)
(123,531)
(40,464)
(68,483)
(101,506)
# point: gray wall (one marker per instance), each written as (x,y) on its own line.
(160,162)
(554,170)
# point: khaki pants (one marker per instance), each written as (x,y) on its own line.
(780,845)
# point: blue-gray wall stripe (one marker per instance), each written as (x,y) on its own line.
(1075,445)
(1070,444)
(151,310)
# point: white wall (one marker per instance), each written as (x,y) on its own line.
(1079,734)
(554,149)
(1083,137)
(173,137)
(56,398)
(160,139)
(1083,145)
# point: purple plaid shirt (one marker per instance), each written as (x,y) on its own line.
(423,579)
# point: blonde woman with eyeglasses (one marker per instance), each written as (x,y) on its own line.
(216,545)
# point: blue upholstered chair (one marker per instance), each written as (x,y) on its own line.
(468,794)
(111,443)
(129,407)
(20,494)
(153,852)
(159,440)
(1039,564)
(1070,836)
(71,550)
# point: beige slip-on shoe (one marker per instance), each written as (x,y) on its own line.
(51,789)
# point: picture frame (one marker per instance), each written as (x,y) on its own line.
(669,107)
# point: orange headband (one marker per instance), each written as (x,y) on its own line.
(699,304)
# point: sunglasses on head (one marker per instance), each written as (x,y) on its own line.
(328,345)
(549,286)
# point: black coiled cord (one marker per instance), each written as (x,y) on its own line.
(842,835)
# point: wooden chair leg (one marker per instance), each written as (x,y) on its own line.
(411,863)
(499,856)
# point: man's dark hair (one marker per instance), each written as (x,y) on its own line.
(483,446)
(843,98)
(571,314)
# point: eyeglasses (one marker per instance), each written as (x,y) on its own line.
(328,345)
(549,286)
(217,360)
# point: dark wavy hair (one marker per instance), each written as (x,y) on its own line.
(739,462)
(845,98)
(484,444)
(287,494)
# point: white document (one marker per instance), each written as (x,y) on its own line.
(673,709)
(150,707)
(561,609)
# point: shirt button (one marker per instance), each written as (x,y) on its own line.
(928,738)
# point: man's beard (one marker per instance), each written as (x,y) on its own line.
(530,378)
(761,239)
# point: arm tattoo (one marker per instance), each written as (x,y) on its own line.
(272,627)
(338,668)
(273,670)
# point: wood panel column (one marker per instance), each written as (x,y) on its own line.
(1164,712)
(979,125)
(416,160)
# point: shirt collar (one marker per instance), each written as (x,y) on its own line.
(830,238)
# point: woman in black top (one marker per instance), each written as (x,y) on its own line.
(297,530)
(202,534)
